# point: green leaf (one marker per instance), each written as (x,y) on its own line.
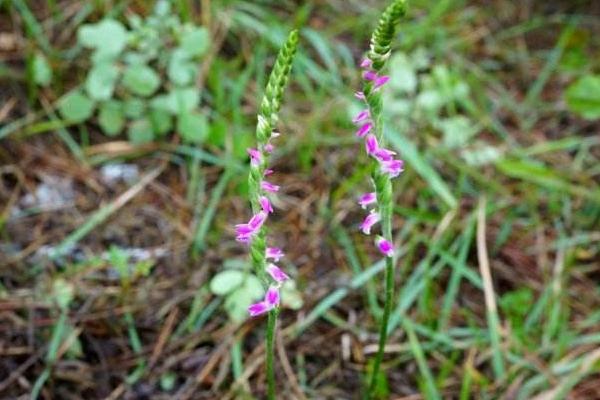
(226,281)
(195,41)
(192,127)
(457,131)
(403,74)
(100,82)
(140,132)
(178,101)
(42,73)
(111,118)
(141,80)
(76,107)
(63,293)
(134,108)
(180,70)
(161,121)
(107,36)
(238,301)
(583,96)
(290,296)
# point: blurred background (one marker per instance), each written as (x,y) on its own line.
(124,126)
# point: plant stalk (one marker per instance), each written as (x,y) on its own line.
(270,350)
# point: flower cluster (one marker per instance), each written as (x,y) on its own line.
(249,232)
(387,164)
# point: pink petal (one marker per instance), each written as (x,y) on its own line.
(366,63)
(366,199)
(384,154)
(257,220)
(265,204)
(361,116)
(268,172)
(360,95)
(274,253)
(392,167)
(276,273)
(272,296)
(363,130)
(380,81)
(255,156)
(269,187)
(369,221)
(258,308)
(370,75)
(371,144)
(385,247)
(269,148)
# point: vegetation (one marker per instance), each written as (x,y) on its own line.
(123,168)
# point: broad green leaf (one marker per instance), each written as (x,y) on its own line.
(583,96)
(192,127)
(100,82)
(178,101)
(140,132)
(76,107)
(141,80)
(226,281)
(161,121)
(238,301)
(180,70)
(457,130)
(290,296)
(134,108)
(107,36)
(42,73)
(111,118)
(195,41)
(403,74)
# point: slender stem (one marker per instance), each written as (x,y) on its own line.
(383,330)
(270,349)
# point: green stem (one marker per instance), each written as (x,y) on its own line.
(383,330)
(271,325)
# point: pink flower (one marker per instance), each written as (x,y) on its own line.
(371,144)
(380,81)
(276,273)
(269,187)
(367,198)
(385,247)
(369,221)
(255,156)
(363,130)
(274,253)
(246,231)
(360,95)
(392,167)
(382,154)
(361,116)
(370,75)
(270,301)
(268,172)
(265,204)
(269,148)
(366,63)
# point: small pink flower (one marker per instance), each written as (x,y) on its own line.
(268,172)
(276,273)
(392,167)
(361,116)
(265,204)
(257,220)
(366,63)
(274,253)
(369,221)
(370,75)
(269,187)
(380,81)
(360,95)
(366,199)
(363,130)
(272,296)
(371,144)
(269,148)
(245,232)
(385,247)
(275,134)
(258,308)
(384,154)
(270,301)
(255,156)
